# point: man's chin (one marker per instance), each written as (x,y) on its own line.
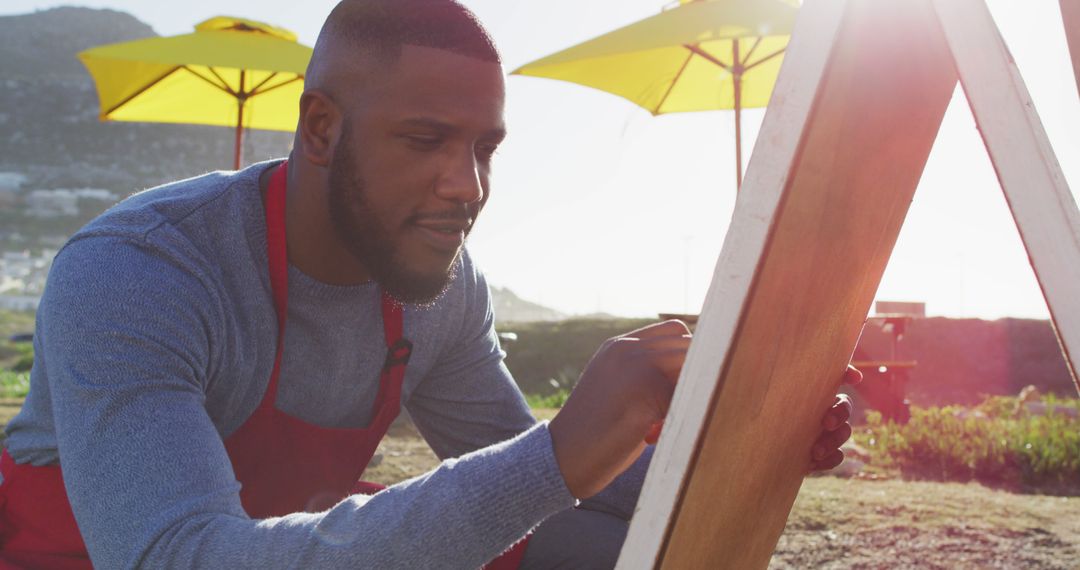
(420,289)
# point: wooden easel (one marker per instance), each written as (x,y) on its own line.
(1070,15)
(853,116)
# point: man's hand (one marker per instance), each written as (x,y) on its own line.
(623,393)
(826,453)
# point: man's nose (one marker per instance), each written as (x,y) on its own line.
(461,182)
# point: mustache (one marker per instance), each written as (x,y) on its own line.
(459,215)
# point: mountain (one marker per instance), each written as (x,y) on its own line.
(43,43)
(509,308)
(49,127)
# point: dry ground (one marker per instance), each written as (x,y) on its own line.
(849,523)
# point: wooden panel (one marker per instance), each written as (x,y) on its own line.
(859,101)
(1070,14)
(792,98)
(1035,188)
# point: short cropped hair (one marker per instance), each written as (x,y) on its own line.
(382,27)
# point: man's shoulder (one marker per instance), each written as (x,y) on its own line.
(466,303)
(224,194)
(469,287)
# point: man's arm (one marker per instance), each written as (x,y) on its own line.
(470,400)
(128,337)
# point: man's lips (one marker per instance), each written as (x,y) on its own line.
(443,232)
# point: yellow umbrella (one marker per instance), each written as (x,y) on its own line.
(700,55)
(231,72)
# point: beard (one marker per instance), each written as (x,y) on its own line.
(369,240)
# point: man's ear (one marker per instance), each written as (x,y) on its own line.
(319,128)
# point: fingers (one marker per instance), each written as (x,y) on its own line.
(654,433)
(829,442)
(852,376)
(666,354)
(838,414)
(828,462)
(666,328)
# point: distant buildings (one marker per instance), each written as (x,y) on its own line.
(22,277)
(19,302)
(12,181)
(63,201)
(10,188)
(31,245)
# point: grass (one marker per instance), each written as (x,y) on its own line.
(556,400)
(1032,447)
(549,357)
(14,384)
(849,523)
(14,322)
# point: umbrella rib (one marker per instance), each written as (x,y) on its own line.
(708,56)
(263,82)
(225,84)
(757,42)
(144,89)
(210,81)
(272,87)
(674,80)
(766,58)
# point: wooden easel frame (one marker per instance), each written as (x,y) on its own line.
(1070,16)
(854,114)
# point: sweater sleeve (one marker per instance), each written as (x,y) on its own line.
(128,337)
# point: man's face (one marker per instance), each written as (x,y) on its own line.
(410,171)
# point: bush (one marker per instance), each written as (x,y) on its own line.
(25,360)
(555,400)
(14,384)
(1000,442)
(549,357)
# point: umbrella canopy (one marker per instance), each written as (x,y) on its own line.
(230,72)
(700,55)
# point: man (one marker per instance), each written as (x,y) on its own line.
(218,358)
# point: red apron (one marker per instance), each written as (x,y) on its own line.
(284,465)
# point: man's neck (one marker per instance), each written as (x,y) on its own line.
(313,246)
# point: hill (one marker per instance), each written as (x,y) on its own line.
(511,308)
(42,44)
(49,127)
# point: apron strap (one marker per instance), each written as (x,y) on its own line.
(278,261)
(398,348)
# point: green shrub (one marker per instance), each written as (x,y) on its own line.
(555,400)
(25,361)
(999,442)
(14,384)
(549,357)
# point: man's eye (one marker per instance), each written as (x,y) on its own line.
(423,142)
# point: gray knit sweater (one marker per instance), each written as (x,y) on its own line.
(155,340)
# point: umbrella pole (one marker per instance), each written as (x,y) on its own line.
(239,139)
(239,148)
(737,70)
(738,133)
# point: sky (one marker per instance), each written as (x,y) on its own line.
(597,206)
